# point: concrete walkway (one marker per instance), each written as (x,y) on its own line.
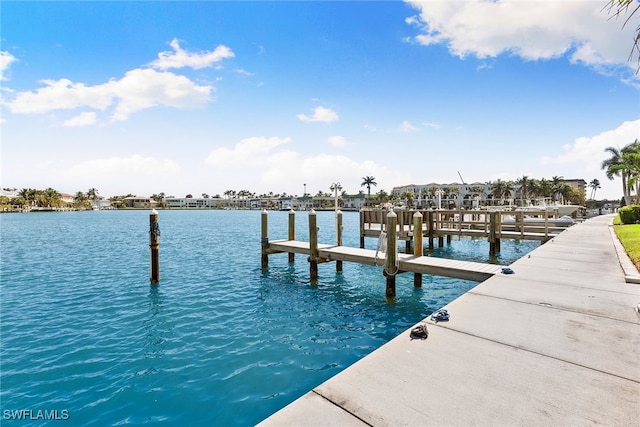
(556,343)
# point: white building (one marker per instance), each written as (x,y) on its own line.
(184,202)
(454,195)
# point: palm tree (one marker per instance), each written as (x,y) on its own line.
(80,197)
(29,194)
(546,188)
(564,190)
(614,166)
(53,198)
(92,194)
(453,193)
(525,187)
(368,181)
(81,201)
(633,160)
(629,165)
(408,197)
(501,189)
(594,185)
(556,184)
(382,196)
(619,8)
(229,194)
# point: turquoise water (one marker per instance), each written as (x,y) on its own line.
(218,342)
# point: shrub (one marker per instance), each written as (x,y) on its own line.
(630,214)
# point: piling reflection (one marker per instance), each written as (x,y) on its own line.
(154,324)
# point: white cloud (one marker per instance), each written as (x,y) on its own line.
(273,166)
(82,119)
(249,152)
(137,90)
(431,125)
(532,30)
(124,168)
(180,58)
(337,141)
(144,88)
(62,94)
(244,72)
(407,127)
(6,59)
(320,114)
(589,151)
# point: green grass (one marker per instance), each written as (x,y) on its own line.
(629,236)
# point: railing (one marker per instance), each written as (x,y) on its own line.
(534,224)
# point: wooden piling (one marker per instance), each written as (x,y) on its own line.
(430,229)
(339,237)
(154,245)
(265,239)
(362,218)
(390,268)
(494,233)
(292,232)
(417,245)
(313,246)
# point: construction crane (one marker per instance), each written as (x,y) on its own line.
(461,178)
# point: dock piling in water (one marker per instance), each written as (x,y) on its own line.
(154,245)
(390,265)
(265,239)
(494,233)
(292,232)
(417,245)
(362,214)
(313,246)
(339,238)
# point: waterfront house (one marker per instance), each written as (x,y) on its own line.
(139,202)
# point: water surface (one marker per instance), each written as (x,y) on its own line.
(218,342)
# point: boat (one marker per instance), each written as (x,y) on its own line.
(563,221)
(561,208)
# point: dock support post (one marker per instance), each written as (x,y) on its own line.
(390,268)
(154,245)
(264,240)
(313,246)
(292,232)
(339,237)
(430,229)
(362,217)
(494,230)
(417,246)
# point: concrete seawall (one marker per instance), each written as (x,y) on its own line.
(555,343)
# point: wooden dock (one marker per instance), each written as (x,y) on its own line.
(522,225)
(388,258)
(465,270)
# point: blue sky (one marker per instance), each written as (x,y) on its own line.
(206,96)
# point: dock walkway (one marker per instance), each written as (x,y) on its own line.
(465,270)
(555,343)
